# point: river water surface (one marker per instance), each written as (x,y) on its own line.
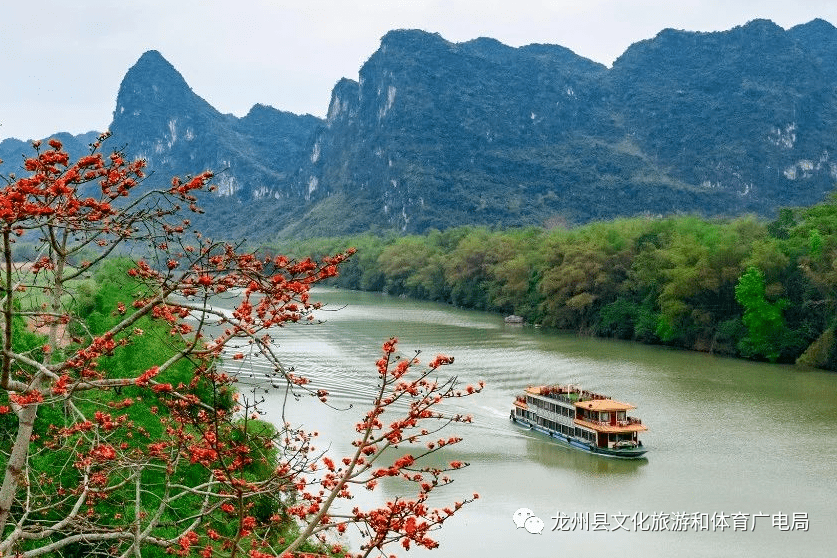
(742,456)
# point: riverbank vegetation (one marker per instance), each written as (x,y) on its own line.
(743,287)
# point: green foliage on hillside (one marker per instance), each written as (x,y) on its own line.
(763,319)
(741,287)
(99,304)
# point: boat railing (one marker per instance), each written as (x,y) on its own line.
(560,397)
(630,421)
(569,395)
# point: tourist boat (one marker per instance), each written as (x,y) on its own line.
(583,419)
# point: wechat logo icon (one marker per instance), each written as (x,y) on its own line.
(525,518)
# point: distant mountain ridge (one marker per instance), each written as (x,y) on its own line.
(435,134)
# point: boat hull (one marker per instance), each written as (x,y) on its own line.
(582,445)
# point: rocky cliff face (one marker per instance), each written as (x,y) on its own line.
(746,112)
(435,134)
(159,118)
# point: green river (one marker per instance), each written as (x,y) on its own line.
(742,456)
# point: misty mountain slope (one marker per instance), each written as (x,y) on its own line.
(158,117)
(435,134)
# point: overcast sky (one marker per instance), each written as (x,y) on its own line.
(62,60)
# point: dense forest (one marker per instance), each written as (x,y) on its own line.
(743,287)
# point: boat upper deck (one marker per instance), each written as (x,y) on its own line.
(629,425)
(604,405)
(592,410)
(567,394)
